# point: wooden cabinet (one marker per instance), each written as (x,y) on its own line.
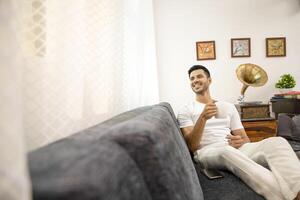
(291,106)
(260,129)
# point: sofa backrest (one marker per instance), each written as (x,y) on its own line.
(86,172)
(154,141)
(139,154)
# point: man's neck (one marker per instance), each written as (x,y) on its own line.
(204,98)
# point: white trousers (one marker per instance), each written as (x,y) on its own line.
(281,182)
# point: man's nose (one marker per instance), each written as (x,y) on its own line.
(196,81)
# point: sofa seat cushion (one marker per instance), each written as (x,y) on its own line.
(228,187)
(289,128)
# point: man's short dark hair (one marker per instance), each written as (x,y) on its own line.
(195,67)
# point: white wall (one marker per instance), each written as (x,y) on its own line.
(180,23)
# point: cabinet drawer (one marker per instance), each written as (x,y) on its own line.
(259,130)
(256,136)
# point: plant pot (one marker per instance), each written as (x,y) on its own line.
(285,90)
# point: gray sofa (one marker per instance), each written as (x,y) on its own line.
(137,155)
(289,128)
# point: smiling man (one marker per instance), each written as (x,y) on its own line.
(215,135)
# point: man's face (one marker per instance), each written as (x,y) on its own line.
(199,81)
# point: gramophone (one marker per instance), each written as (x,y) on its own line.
(252,75)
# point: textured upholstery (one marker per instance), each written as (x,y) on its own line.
(229,187)
(101,170)
(289,128)
(137,155)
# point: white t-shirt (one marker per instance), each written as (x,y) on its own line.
(216,129)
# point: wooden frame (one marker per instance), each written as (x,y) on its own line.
(206,50)
(276,47)
(240,47)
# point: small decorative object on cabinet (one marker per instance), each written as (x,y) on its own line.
(250,75)
(286,83)
(260,129)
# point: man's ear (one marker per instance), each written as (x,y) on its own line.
(210,80)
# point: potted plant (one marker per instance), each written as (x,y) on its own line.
(285,83)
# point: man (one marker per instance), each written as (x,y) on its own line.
(221,142)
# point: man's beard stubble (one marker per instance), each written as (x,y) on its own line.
(201,92)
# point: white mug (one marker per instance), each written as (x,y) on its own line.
(222,111)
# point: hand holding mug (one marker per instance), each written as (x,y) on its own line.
(209,110)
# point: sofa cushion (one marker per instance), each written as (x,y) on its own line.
(289,128)
(71,169)
(155,143)
(296,131)
(228,187)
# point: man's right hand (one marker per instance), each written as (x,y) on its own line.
(193,134)
(209,111)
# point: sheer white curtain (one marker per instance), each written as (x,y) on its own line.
(140,61)
(14,182)
(85,62)
(65,66)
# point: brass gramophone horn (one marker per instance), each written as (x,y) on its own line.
(250,75)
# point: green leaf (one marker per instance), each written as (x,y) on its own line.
(286,81)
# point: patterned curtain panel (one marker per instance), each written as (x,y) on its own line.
(85,61)
(14,182)
(67,65)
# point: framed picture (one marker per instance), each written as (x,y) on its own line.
(206,50)
(275,47)
(240,47)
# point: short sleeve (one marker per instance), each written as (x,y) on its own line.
(235,120)
(184,117)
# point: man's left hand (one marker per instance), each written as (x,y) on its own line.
(236,140)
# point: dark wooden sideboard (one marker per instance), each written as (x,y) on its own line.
(291,106)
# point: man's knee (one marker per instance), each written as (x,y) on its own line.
(276,145)
(276,141)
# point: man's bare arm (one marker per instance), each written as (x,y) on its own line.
(238,138)
(193,134)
